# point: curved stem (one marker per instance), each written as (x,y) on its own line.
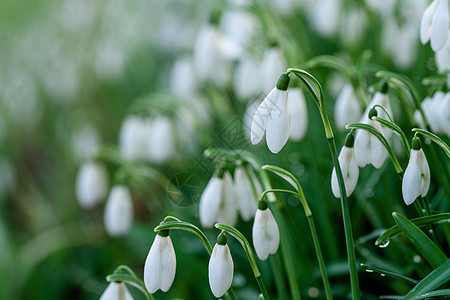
(248,250)
(132,280)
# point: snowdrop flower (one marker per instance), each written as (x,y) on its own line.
(221,267)
(416,180)
(346,109)
(160,265)
(266,236)
(217,202)
(273,117)
(244,194)
(400,42)
(246,84)
(349,168)
(183,82)
(116,291)
(353,24)
(91,184)
(299,114)
(133,138)
(324,15)
(239,26)
(160,140)
(442,57)
(272,64)
(119,213)
(434,26)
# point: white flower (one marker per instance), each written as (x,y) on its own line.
(119,213)
(346,109)
(160,265)
(133,138)
(246,82)
(416,180)
(244,194)
(183,82)
(434,26)
(400,42)
(91,184)
(299,114)
(220,270)
(324,16)
(217,202)
(272,117)
(350,172)
(266,236)
(116,291)
(160,145)
(272,65)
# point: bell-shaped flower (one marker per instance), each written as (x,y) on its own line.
(346,109)
(119,212)
(160,145)
(116,291)
(246,200)
(183,83)
(324,16)
(160,265)
(246,84)
(273,117)
(221,267)
(266,236)
(133,138)
(217,202)
(399,41)
(416,180)
(91,185)
(434,26)
(349,168)
(272,65)
(299,114)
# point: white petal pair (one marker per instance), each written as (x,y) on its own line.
(160,265)
(220,270)
(346,109)
(416,180)
(350,172)
(299,114)
(434,26)
(266,236)
(91,184)
(245,196)
(272,117)
(119,212)
(116,291)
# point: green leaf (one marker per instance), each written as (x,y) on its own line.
(422,221)
(438,293)
(389,273)
(286,175)
(311,83)
(435,139)
(432,281)
(423,243)
(332,62)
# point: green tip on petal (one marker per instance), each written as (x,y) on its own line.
(416,143)
(163,233)
(222,239)
(283,82)
(262,204)
(349,140)
(372,113)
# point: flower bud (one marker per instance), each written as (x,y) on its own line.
(220,269)
(119,213)
(116,291)
(91,184)
(266,236)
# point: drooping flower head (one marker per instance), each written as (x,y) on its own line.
(91,184)
(160,265)
(266,236)
(434,26)
(116,291)
(221,267)
(273,117)
(119,212)
(416,180)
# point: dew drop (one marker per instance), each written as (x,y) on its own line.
(383,275)
(417,259)
(384,244)
(369,270)
(313,292)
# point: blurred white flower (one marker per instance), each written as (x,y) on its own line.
(220,269)
(272,65)
(442,57)
(299,114)
(183,82)
(91,184)
(434,26)
(380,6)
(160,265)
(245,197)
(416,180)
(324,16)
(109,59)
(437,112)
(349,168)
(239,26)
(274,118)
(217,202)
(266,236)
(353,25)
(346,109)
(160,145)
(119,212)
(399,41)
(246,78)
(85,142)
(116,291)
(134,138)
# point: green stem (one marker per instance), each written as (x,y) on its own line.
(249,252)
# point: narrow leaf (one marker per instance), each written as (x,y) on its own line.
(423,243)
(389,273)
(438,293)
(286,175)
(432,281)
(435,139)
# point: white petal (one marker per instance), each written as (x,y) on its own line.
(160,143)
(279,124)
(335,185)
(119,212)
(220,270)
(228,206)
(362,148)
(261,116)
(168,264)
(133,138)
(377,150)
(412,180)
(244,194)
(425,23)
(353,172)
(160,265)
(272,65)
(266,236)
(210,202)
(299,114)
(346,109)
(91,184)
(439,26)
(116,291)
(425,172)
